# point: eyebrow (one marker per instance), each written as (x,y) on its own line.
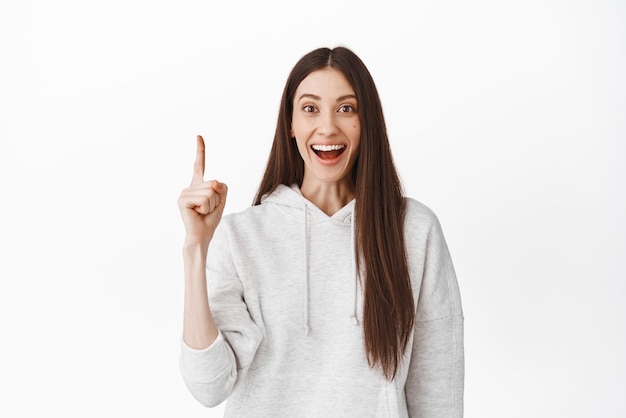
(316,97)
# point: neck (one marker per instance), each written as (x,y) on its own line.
(329,197)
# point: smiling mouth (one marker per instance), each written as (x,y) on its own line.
(328,152)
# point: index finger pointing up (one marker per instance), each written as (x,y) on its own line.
(198,167)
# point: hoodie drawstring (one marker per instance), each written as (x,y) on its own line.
(354,317)
(306,273)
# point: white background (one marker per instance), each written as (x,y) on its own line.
(507,118)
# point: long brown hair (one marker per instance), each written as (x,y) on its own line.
(388,307)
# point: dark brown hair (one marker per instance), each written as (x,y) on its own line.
(388,308)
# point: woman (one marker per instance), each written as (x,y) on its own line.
(333,295)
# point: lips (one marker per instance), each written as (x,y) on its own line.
(328,151)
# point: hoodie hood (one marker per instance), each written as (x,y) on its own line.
(291,197)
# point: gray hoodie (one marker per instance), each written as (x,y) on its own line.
(285,293)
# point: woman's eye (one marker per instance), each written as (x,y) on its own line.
(308,108)
(346,109)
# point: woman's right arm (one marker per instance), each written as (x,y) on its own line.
(212,358)
(201,206)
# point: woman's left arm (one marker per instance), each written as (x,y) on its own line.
(435,383)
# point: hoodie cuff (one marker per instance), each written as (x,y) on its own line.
(206,364)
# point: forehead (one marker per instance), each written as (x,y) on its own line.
(325,82)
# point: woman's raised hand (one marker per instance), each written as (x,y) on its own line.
(202,203)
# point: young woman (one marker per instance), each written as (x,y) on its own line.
(333,295)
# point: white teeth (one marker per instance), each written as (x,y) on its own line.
(319,147)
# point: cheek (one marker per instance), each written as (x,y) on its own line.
(356,125)
(301,145)
(300,126)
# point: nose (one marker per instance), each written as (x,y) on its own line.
(327,124)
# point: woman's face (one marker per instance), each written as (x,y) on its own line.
(327,127)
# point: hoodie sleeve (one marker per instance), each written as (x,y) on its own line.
(212,373)
(435,383)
